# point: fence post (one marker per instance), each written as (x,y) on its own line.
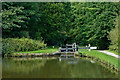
(60,49)
(66,47)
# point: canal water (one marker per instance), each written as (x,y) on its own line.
(51,67)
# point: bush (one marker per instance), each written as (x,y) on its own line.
(11,45)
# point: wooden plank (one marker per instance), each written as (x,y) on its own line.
(67,52)
(84,48)
(69,45)
(67,55)
(67,48)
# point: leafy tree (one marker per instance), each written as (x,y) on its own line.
(92,22)
(61,22)
(113,36)
(17,17)
(54,22)
(12,18)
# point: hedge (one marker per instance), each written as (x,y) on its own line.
(11,45)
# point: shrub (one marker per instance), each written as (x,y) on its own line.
(11,45)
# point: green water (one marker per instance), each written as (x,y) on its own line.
(53,68)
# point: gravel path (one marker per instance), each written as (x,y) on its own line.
(109,53)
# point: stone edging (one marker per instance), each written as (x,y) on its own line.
(33,54)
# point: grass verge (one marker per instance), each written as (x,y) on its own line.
(104,57)
(47,50)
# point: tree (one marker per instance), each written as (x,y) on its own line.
(61,22)
(12,18)
(113,36)
(92,22)
(54,22)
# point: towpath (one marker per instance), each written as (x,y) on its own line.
(109,53)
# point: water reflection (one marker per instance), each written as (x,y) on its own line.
(71,60)
(52,67)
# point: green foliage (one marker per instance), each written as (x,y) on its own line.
(113,36)
(92,22)
(54,22)
(61,23)
(11,45)
(15,18)
(24,34)
(11,17)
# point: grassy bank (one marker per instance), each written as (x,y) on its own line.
(102,56)
(47,50)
